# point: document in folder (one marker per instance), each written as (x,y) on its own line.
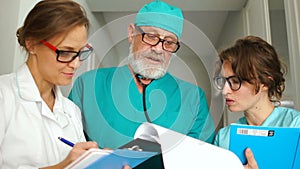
(98,158)
(155,161)
(157,147)
(118,158)
(142,152)
(273,147)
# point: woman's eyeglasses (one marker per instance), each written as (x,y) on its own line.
(68,56)
(233,81)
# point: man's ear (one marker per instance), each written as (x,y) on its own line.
(131,32)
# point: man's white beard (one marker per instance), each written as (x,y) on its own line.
(142,67)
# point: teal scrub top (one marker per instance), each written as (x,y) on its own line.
(280,117)
(112,106)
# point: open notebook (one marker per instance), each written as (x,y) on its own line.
(160,148)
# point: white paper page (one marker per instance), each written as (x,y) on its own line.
(181,151)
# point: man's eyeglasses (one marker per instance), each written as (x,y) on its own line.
(153,40)
(233,81)
(68,56)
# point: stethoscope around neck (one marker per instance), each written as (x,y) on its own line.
(138,78)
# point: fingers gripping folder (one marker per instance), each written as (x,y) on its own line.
(147,139)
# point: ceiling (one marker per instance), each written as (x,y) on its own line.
(185,5)
(208,15)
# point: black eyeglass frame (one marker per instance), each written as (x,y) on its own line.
(159,40)
(228,80)
(76,54)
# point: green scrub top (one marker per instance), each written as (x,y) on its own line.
(112,106)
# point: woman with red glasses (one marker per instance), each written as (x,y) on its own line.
(33,111)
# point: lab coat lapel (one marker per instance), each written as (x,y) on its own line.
(29,91)
(27,88)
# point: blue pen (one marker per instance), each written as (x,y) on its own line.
(66,141)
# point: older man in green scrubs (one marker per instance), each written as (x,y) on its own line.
(115,101)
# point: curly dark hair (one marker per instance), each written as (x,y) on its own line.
(254,60)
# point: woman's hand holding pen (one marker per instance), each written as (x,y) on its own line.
(80,148)
(77,150)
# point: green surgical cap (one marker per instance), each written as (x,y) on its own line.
(161,15)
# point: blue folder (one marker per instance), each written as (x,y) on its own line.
(273,147)
(120,157)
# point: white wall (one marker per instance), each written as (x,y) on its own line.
(292,13)
(280,43)
(96,22)
(20,54)
(10,15)
(232,30)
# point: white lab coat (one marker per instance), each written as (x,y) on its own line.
(29,130)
